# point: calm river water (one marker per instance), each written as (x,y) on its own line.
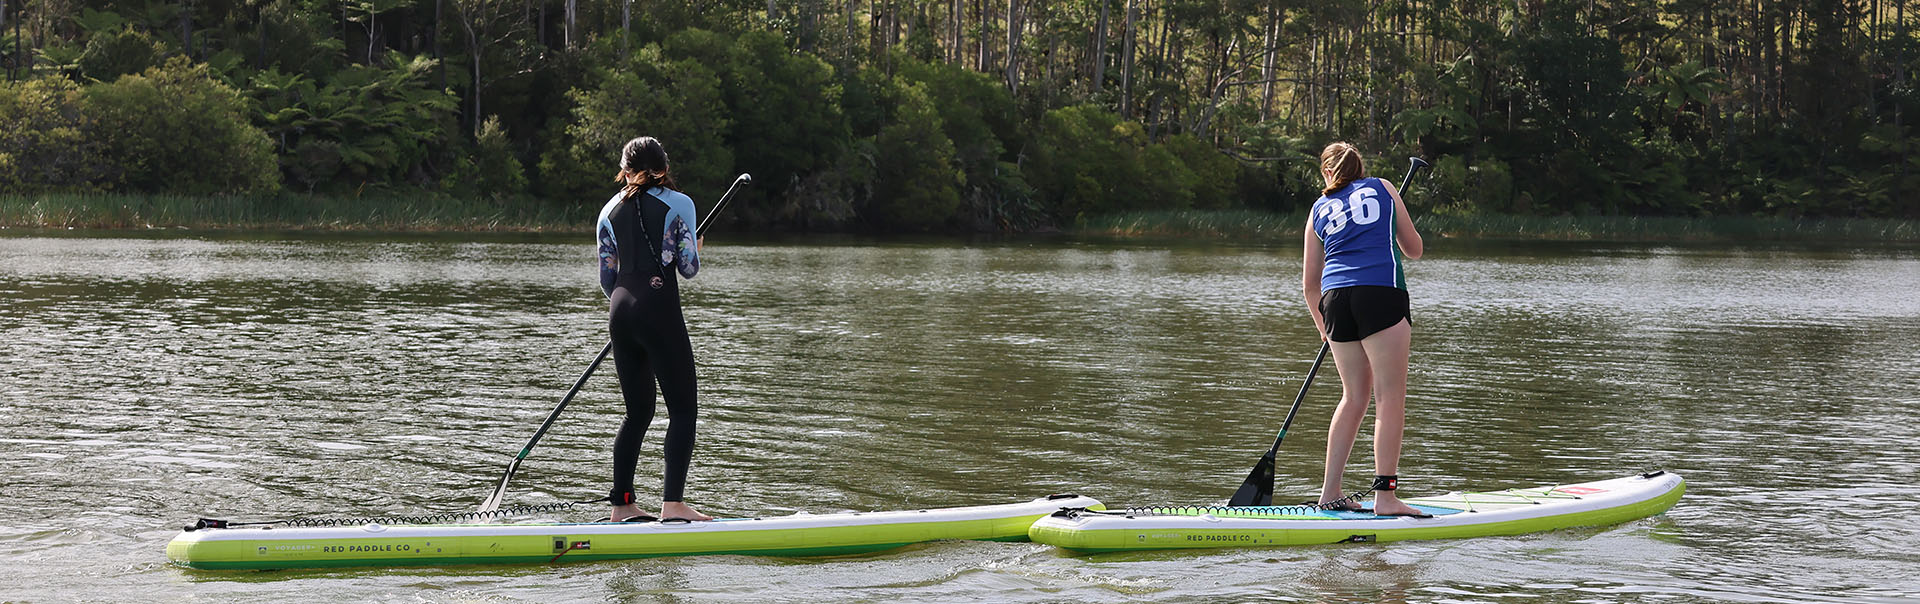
(145,382)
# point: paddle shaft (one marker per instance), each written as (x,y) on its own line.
(1295,410)
(743,179)
(493,501)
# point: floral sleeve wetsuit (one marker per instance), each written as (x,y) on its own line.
(647,244)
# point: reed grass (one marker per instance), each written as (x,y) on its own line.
(387,213)
(295,212)
(1254,225)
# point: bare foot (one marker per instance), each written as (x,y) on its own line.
(623,512)
(679,510)
(1385,503)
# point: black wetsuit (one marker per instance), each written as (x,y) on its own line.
(649,343)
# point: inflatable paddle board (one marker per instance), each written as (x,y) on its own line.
(1461,514)
(803,534)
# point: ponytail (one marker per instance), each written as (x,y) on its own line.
(1340,165)
(643,165)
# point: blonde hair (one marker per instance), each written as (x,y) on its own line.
(1340,165)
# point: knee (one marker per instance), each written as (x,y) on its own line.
(684,412)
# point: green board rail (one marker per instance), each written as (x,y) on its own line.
(263,548)
(1455,515)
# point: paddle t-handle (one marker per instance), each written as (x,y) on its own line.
(743,179)
(1414,164)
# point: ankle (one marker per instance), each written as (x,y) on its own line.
(1386,483)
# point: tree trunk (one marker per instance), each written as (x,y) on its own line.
(1100,47)
(1900,82)
(372,30)
(1786,58)
(1769,76)
(626,27)
(474,47)
(809,15)
(1013,46)
(1272,47)
(440,62)
(1126,62)
(573,14)
(186,28)
(22,61)
(476,93)
(874,29)
(980,55)
(260,33)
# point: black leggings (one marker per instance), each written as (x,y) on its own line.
(650,342)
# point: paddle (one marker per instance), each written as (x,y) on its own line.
(1257,490)
(500,492)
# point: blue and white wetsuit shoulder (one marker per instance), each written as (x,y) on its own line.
(678,244)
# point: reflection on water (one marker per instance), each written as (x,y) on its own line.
(147,382)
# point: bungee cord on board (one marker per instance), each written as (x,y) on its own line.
(1228,511)
(398,519)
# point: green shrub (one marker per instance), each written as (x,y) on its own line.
(1213,174)
(1457,189)
(383,125)
(1084,159)
(175,129)
(917,178)
(975,113)
(44,140)
(1167,184)
(490,171)
(109,55)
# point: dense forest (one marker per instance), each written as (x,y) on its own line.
(955,115)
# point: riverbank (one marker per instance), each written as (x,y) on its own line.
(288,212)
(426,214)
(1253,226)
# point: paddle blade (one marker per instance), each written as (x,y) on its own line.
(1258,488)
(500,492)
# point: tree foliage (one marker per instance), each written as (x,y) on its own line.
(949,115)
(917,176)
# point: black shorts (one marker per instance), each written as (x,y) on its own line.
(1353,313)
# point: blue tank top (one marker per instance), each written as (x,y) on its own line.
(1355,225)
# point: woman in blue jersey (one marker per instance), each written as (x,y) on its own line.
(647,245)
(1357,234)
